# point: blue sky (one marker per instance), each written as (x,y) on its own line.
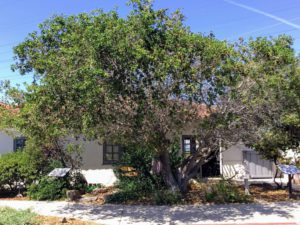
(227,19)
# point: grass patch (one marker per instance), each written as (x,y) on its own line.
(10,216)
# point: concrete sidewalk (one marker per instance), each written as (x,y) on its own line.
(275,213)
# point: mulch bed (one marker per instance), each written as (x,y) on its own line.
(196,195)
(14,198)
(259,193)
(267,193)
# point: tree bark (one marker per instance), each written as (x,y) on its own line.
(167,173)
(279,186)
(178,180)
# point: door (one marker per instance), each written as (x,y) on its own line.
(257,166)
(211,168)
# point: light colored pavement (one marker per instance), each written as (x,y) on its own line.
(283,212)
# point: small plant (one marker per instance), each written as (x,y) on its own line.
(225,192)
(167,197)
(48,189)
(10,216)
(91,188)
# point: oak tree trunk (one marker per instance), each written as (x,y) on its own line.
(176,180)
(167,173)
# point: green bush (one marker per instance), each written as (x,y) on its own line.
(123,197)
(225,192)
(48,189)
(10,216)
(139,185)
(51,165)
(18,167)
(143,184)
(77,181)
(27,167)
(167,197)
(132,188)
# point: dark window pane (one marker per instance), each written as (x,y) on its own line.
(19,143)
(116,149)
(109,148)
(188,144)
(111,153)
(108,156)
(116,157)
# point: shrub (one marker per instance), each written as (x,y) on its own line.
(10,216)
(132,188)
(123,197)
(138,183)
(141,183)
(77,181)
(51,165)
(225,192)
(139,158)
(24,168)
(18,167)
(91,188)
(48,189)
(167,197)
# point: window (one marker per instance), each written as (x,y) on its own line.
(111,153)
(188,144)
(19,143)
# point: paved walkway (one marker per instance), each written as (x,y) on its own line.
(275,213)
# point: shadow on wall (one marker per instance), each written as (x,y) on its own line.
(178,214)
(232,169)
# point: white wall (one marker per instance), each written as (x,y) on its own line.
(102,176)
(93,169)
(232,161)
(6,143)
(233,164)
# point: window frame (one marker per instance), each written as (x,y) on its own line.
(15,143)
(112,161)
(192,139)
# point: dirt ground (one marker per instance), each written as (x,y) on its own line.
(47,220)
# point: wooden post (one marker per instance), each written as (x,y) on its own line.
(290,188)
(246,184)
(246,177)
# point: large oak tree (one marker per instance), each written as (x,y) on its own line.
(139,79)
(145,78)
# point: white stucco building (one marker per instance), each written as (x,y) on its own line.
(98,159)
(238,160)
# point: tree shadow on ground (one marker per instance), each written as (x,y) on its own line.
(178,214)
